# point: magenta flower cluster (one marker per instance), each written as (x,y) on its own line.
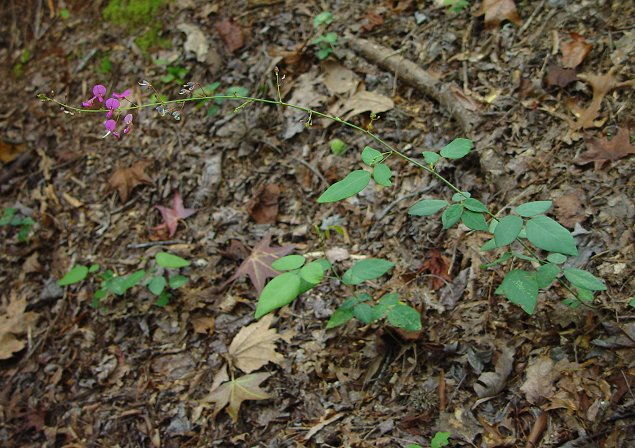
(111,105)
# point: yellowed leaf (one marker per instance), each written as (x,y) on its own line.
(253,346)
(233,393)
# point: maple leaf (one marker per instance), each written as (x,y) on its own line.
(574,51)
(124,180)
(171,216)
(15,321)
(232,393)
(257,266)
(601,151)
(253,346)
(498,10)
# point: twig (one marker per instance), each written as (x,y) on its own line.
(154,243)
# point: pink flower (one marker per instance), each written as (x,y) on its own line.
(121,95)
(98,91)
(110,126)
(111,104)
(127,120)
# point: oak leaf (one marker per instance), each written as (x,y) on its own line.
(14,321)
(233,392)
(257,266)
(601,151)
(253,346)
(171,216)
(496,11)
(124,180)
(574,50)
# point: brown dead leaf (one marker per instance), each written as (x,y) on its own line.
(253,346)
(438,265)
(574,50)
(496,11)
(263,207)
(9,152)
(232,393)
(203,324)
(124,180)
(364,101)
(231,34)
(569,208)
(258,265)
(339,79)
(558,76)
(371,20)
(14,321)
(601,151)
(491,383)
(540,378)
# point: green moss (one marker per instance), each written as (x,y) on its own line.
(132,13)
(151,39)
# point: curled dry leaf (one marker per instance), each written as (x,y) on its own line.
(14,321)
(574,50)
(491,383)
(603,150)
(231,34)
(496,11)
(124,180)
(253,346)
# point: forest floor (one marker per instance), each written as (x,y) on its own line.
(544,89)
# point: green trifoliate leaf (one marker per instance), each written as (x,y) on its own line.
(462,196)
(556,258)
(323,18)
(521,288)
(371,156)
(451,215)
(368,269)
(507,230)
(546,274)
(529,209)
(157,285)
(405,317)
(75,275)
(547,234)
(474,221)
(312,272)
(167,260)
(475,205)
(382,175)
(352,184)
(457,149)
(427,207)
(280,291)
(364,312)
(324,263)
(384,305)
(584,279)
(288,263)
(430,157)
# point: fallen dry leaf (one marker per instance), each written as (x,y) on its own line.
(14,321)
(10,152)
(195,41)
(203,324)
(574,50)
(124,180)
(601,151)
(496,11)
(540,378)
(569,208)
(263,207)
(253,346)
(491,383)
(558,76)
(171,216)
(365,101)
(371,20)
(339,79)
(257,266)
(438,265)
(232,393)
(231,34)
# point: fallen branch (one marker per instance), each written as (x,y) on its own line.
(448,95)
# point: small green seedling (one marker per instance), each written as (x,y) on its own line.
(324,42)
(439,440)
(456,6)
(12,218)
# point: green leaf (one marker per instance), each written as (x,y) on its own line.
(457,149)
(7,216)
(288,263)
(440,440)
(237,91)
(384,305)
(490,245)
(371,156)
(632,302)
(556,258)
(427,207)
(547,234)
(280,291)
(157,285)
(167,260)
(352,184)
(133,279)
(529,209)
(525,257)
(430,157)
(460,197)
(339,317)
(451,215)
(323,18)
(324,53)
(75,275)
(163,299)
(521,288)
(506,256)
(382,175)
(413,445)
(338,147)
(324,263)
(405,317)
(364,312)
(177,280)
(507,230)
(313,272)
(475,205)
(93,268)
(546,274)
(348,304)
(473,220)
(584,279)
(368,269)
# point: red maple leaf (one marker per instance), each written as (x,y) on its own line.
(171,216)
(257,266)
